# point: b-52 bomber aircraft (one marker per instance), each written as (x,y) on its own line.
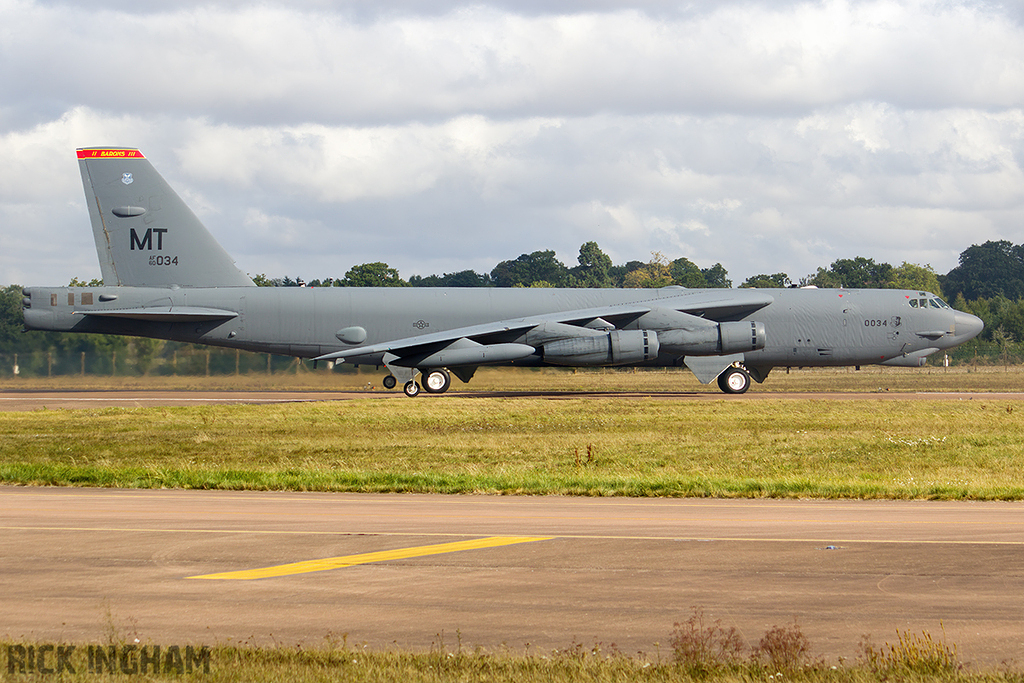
(166,277)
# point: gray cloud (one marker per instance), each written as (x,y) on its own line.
(765,135)
(275,63)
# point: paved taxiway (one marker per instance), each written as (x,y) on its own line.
(73,562)
(54,400)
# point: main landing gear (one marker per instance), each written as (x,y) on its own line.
(734,380)
(435,381)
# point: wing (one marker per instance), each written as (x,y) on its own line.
(689,315)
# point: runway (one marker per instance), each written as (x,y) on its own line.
(65,400)
(215,567)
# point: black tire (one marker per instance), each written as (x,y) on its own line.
(734,381)
(411,389)
(436,381)
(390,382)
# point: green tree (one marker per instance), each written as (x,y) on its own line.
(618,274)
(655,273)
(988,270)
(717,277)
(825,279)
(463,278)
(776,281)
(855,273)
(912,276)
(685,273)
(862,273)
(530,268)
(376,274)
(11,319)
(594,267)
(327,282)
(262,280)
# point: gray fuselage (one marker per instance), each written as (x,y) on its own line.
(803,327)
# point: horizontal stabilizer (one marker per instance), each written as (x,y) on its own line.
(165,314)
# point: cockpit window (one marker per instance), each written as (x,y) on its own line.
(933,302)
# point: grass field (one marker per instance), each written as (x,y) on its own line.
(966,449)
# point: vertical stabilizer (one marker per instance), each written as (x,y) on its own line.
(145,234)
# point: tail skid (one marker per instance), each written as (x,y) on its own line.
(146,236)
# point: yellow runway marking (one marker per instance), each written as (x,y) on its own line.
(365,558)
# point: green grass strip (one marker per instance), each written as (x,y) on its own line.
(947,450)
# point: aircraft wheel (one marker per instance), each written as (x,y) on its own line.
(390,382)
(734,381)
(436,381)
(411,389)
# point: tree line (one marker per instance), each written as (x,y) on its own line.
(988,282)
(988,270)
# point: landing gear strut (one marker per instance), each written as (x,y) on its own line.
(734,380)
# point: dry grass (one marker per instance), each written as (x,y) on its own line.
(660,380)
(700,652)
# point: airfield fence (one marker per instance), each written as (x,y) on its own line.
(124,363)
(138,358)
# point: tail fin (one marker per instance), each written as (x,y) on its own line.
(145,234)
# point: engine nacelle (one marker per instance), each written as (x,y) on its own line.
(618,347)
(741,337)
(723,338)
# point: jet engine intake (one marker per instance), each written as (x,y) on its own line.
(723,338)
(618,347)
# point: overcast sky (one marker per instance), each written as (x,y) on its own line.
(770,136)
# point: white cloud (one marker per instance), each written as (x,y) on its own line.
(769,136)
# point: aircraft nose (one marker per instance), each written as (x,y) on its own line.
(966,325)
